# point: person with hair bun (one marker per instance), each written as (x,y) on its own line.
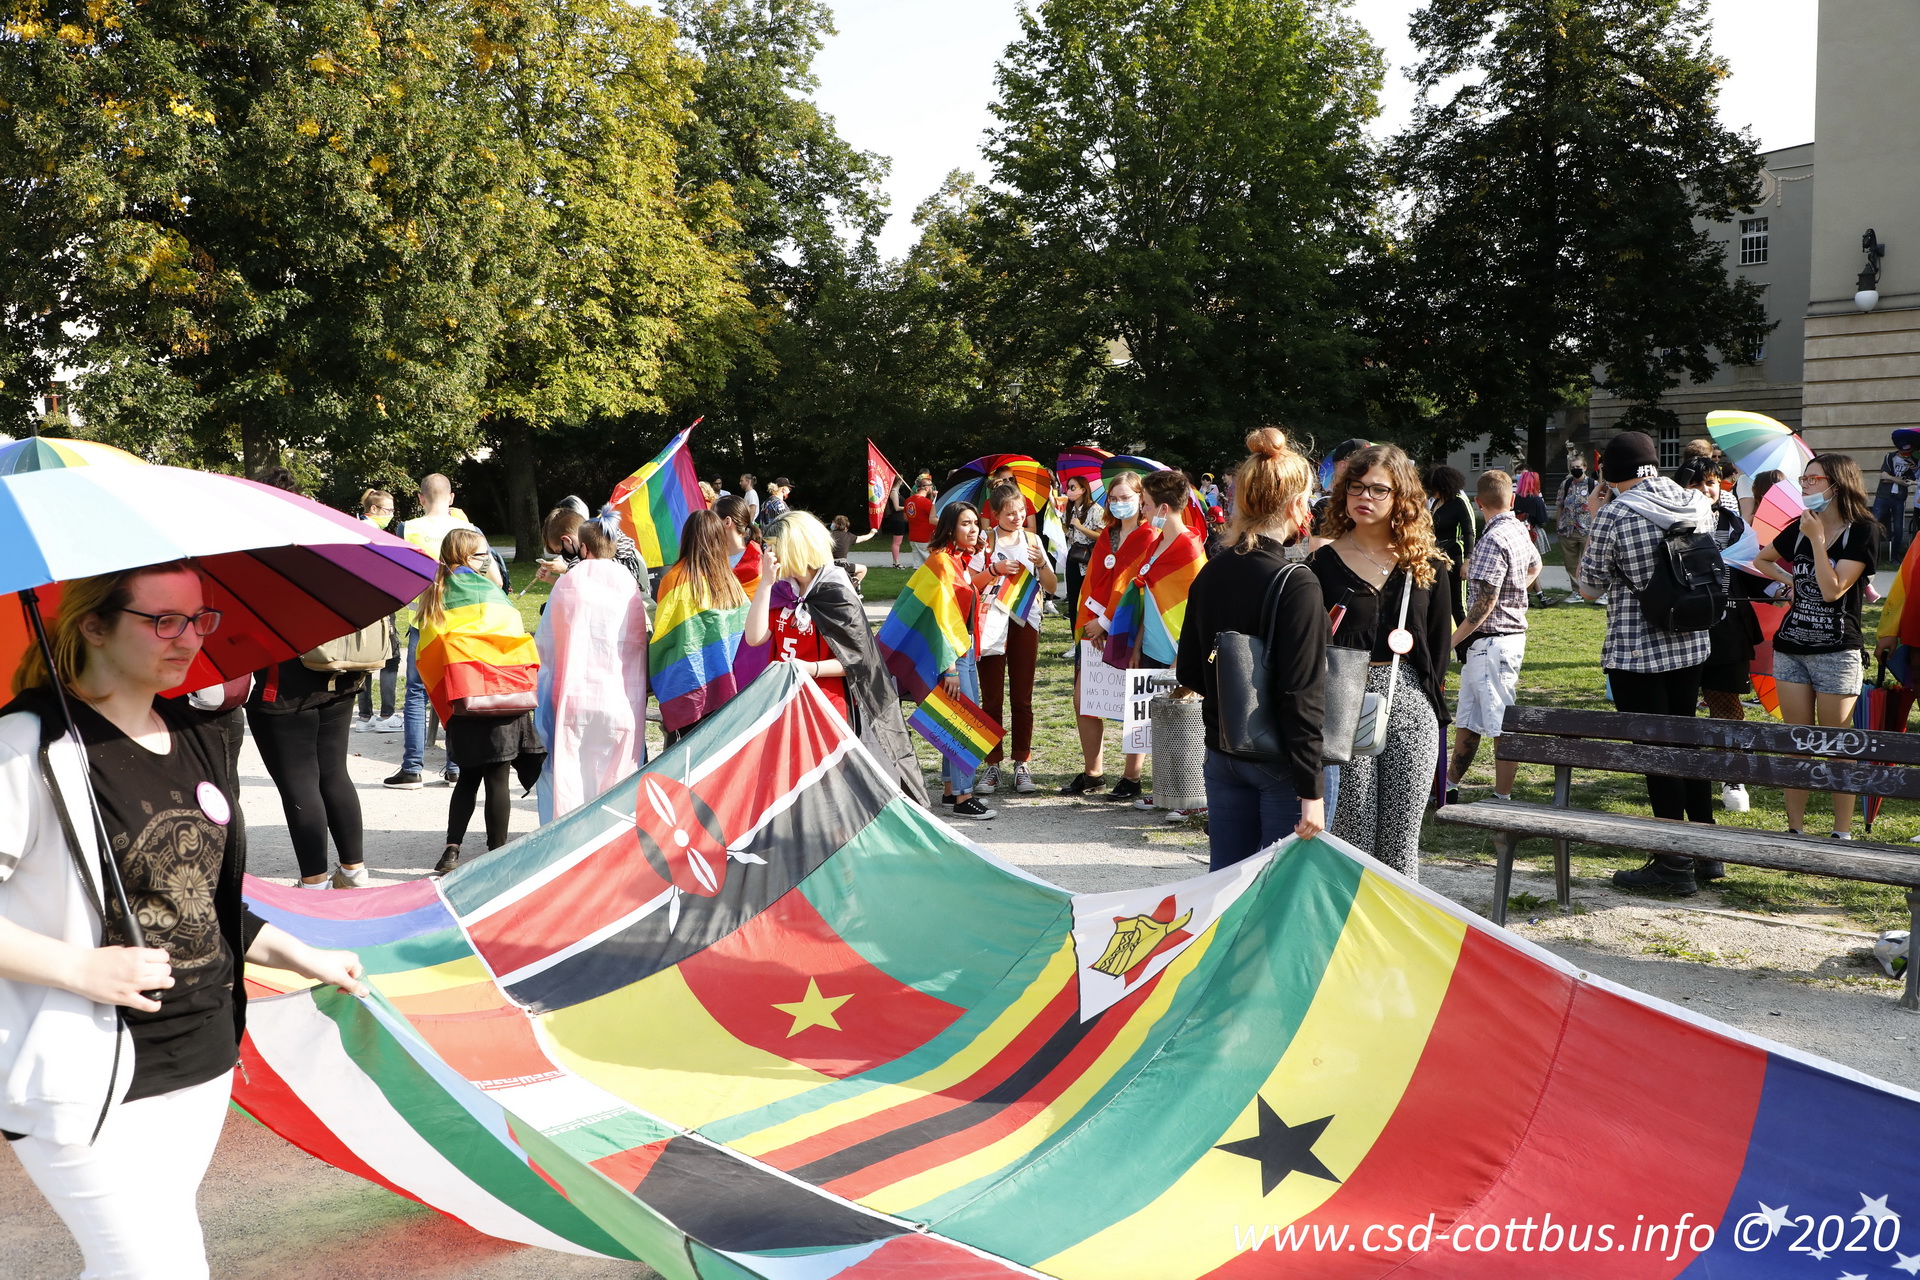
(1252,588)
(1380,553)
(1123,545)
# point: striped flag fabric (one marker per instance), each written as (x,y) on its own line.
(655,501)
(1018,593)
(926,631)
(480,647)
(751,1015)
(957,727)
(1145,630)
(691,657)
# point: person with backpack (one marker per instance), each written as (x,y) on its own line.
(1726,677)
(1651,664)
(1825,560)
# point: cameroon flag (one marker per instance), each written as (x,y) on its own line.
(751,1014)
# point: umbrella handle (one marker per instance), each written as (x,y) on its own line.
(110,870)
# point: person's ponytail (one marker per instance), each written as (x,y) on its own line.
(1265,488)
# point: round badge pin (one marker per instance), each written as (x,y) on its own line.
(1400,640)
(1112,560)
(213,803)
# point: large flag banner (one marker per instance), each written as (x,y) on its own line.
(479,648)
(750,1015)
(655,501)
(881,478)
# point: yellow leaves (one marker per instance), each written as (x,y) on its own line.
(97,10)
(487,50)
(379,164)
(308,128)
(26,29)
(187,111)
(70,34)
(326,64)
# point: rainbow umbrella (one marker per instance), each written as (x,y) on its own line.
(1755,443)
(1196,513)
(51,453)
(968,483)
(1084,461)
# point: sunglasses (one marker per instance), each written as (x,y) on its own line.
(171,626)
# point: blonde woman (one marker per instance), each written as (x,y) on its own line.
(1380,552)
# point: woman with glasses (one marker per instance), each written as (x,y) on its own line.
(119,1058)
(1825,560)
(1380,553)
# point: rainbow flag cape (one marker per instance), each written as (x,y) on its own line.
(1145,630)
(926,632)
(1900,618)
(750,1014)
(957,727)
(655,501)
(691,657)
(480,647)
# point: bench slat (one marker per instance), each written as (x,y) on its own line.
(1880,864)
(1730,735)
(1855,777)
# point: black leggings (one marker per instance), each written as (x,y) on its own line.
(306,756)
(1666,693)
(499,779)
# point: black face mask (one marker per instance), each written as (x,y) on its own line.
(1577,472)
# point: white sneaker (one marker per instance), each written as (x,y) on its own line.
(1144,802)
(302,884)
(987,780)
(364,726)
(1023,777)
(345,879)
(1733,797)
(395,723)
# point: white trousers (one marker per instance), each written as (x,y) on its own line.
(132,1198)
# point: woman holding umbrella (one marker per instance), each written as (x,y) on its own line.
(121,1013)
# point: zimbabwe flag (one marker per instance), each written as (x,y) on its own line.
(750,1014)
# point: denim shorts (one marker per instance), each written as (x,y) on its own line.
(1826,672)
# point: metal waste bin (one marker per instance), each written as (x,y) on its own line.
(1179,752)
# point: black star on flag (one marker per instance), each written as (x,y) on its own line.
(1282,1148)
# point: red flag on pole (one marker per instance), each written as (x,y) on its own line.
(881,477)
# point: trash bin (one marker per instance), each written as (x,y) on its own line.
(1179,752)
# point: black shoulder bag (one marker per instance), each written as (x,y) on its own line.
(1247,726)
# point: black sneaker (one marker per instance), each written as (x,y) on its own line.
(405,780)
(1125,789)
(947,799)
(1675,875)
(1453,796)
(1084,784)
(1705,869)
(449,859)
(972,808)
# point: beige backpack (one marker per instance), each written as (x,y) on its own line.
(367,649)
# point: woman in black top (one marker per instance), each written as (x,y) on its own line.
(1825,560)
(1253,803)
(127,1186)
(1382,550)
(1456,526)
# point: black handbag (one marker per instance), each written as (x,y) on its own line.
(1246,725)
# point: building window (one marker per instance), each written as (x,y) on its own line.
(1473,465)
(1669,447)
(1753,241)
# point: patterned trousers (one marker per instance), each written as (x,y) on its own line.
(1383,797)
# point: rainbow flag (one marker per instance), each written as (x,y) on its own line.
(751,1015)
(1900,617)
(1018,593)
(480,647)
(957,727)
(1145,631)
(694,645)
(926,632)
(654,501)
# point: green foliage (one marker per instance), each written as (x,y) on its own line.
(1556,168)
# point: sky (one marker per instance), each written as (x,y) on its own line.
(913,80)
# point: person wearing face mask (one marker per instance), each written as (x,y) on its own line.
(1570,516)
(1252,588)
(1825,560)
(1123,545)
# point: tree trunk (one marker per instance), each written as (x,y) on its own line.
(1537,445)
(523,498)
(257,449)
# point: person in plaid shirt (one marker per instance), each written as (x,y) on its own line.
(1649,670)
(1503,568)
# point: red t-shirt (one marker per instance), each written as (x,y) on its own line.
(794,643)
(920,518)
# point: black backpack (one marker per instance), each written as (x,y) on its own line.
(1688,589)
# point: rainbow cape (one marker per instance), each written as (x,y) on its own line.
(691,657)
(957,727)
(1145,630)
(654,501)
(926,632)
(480,647)
(1900,618)
(750,1014)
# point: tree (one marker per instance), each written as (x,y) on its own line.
(1560,171)
(1180,189)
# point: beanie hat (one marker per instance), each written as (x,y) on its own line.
(1631,455)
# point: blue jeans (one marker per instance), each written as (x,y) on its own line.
(1250,805)
(969,672)
(413,738)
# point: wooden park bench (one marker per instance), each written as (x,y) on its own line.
(1754,753)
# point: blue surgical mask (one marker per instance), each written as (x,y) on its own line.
(1159,521)
(1817,502)
(1124,508)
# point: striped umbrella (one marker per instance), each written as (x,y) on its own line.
(1084,461)
(968,483)
(1755,443)
(51,453)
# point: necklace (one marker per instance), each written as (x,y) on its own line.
(1386,570)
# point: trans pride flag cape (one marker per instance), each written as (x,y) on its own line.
(480,647)
(1145,630)
(750,1014)
(927,631)
(654,501)
(693,650)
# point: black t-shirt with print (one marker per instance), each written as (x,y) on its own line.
(1815,624)
(169,822)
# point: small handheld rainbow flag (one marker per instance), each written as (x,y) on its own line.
(1146,626)
(1018,593)
(693,650)
(927,631)
(479,647)
(654,501)
(957,728)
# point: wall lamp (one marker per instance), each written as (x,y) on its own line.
(1867,288)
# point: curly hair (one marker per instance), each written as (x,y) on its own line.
(1411,525)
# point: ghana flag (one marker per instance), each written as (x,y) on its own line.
(480,645)
(753,1015)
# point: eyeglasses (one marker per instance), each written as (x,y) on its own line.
(1378,492)
(1809,478)
(171,626)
